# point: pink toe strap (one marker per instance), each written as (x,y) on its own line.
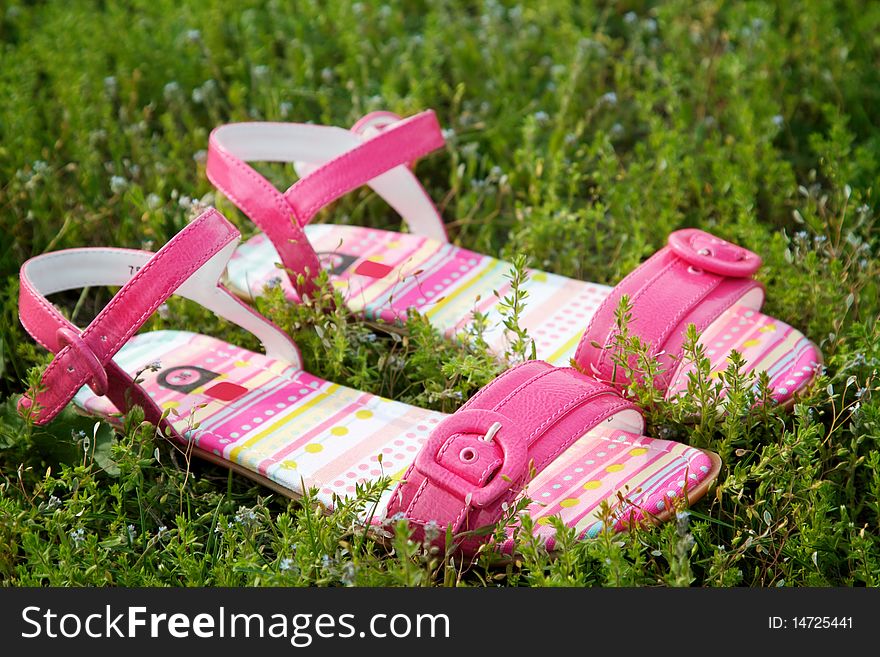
(692,280)
(479,458)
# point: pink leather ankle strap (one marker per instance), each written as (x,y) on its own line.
(477,460)
(395,145)
(346,160)
(692,280)
(190,264)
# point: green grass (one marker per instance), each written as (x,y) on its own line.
(581,134)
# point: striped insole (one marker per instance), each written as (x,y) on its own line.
(381,274)
(302,432)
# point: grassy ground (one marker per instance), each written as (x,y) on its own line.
(580,134)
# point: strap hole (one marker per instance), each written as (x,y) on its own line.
(71,368)
(103,338)
(468,455)
(694,270)
(705,252)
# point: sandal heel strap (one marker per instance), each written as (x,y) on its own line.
(189,265)
(334,161)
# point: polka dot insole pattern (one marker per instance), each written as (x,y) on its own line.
(299,430)
(447,284)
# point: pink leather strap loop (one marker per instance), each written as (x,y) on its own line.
(369,125)
(691,281)
(478,460)
(372,122)
(41,320)
(68,338)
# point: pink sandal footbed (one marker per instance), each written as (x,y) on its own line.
(697,278)
(265,417)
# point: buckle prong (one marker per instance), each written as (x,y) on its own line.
(69,338)
(490,434)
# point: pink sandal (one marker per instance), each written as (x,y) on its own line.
(266,418)
(697,278)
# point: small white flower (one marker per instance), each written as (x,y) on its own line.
(432,531)
(348,574)
(118,184)
(396,362)
(171,90)
(247,517)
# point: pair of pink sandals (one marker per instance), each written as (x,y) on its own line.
(562,433)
